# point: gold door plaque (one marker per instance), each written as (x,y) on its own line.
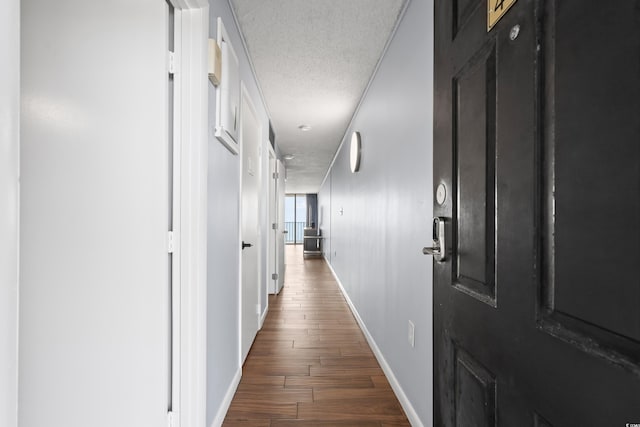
(496,10)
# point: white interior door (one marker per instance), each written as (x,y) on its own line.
(273,224)
(250,137)
(94,171)
(281,227)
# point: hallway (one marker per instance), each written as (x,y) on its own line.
(310,364)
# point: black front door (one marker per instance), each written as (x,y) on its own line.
(537,147)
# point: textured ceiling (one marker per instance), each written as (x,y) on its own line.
(313,60)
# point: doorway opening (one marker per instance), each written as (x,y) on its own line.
(295,218)
(300,216)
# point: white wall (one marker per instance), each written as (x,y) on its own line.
(223,280)
(376,244)
(9,211)
(94,306)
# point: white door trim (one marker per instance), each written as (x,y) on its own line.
(10,214)
(280,194)
(238,247)
(189,294)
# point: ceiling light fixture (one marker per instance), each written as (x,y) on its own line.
(289,157)
(304,128)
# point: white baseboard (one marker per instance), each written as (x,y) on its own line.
(263,317)
(395,385)
(226,402)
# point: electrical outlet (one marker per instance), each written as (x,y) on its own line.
(412,334)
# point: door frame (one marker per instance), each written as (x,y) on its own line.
(189,272)
(280,229)
(10,217)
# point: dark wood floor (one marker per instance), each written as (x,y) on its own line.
(310,365)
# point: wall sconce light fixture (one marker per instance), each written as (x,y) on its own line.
(356,147)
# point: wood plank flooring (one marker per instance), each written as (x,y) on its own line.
(310,365)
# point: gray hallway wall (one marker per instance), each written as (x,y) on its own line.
(375,244)
(223,263)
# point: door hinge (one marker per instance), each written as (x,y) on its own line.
(276,175)
(172,419)
(170,242)
(274,226)
(274,276)
(171,62)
